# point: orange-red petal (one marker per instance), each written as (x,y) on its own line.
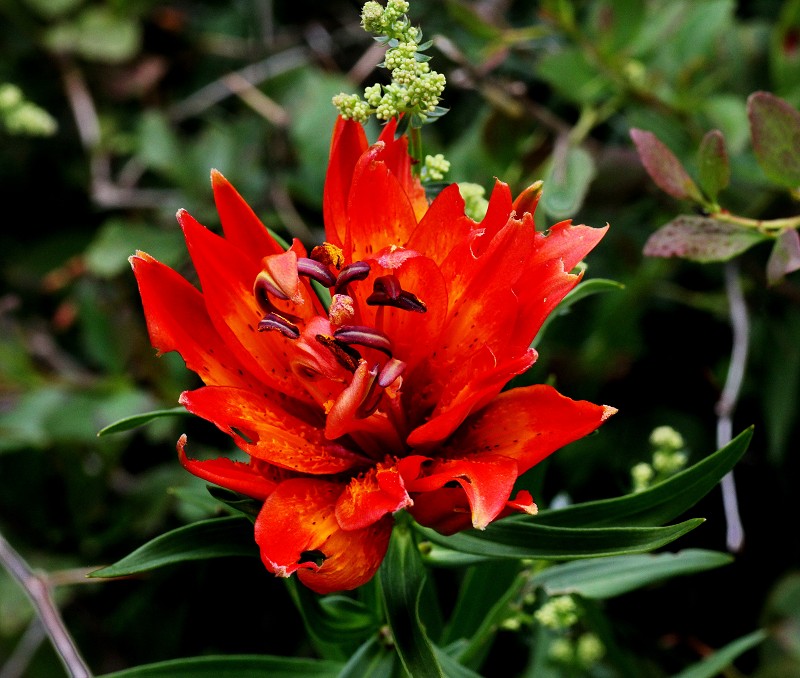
(233,475)
(370,497)
(263,429)
(297,528)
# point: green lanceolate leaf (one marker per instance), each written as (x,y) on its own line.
(714,169)
(659,504)
(337,625)
(775,129)
(137,420)
(702,239)
(529,539)
(664,168)
(715,663)
(372,660)
(233,666)
(609,577)
(214,538)
(401,578)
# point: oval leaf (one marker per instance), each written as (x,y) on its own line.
(137,420)
(517,539)
(701,239)
(663,167)
(775,129)
(785,256)
(215,538)
(609,577)
(233,666)
(401,578)
(566,182)
(714,169)
(658,504)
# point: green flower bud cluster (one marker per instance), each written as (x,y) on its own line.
(415,89)
(668,458)
(558,613)
(584,652)
(434,168)
(23,117)
(475,204)
(562,615)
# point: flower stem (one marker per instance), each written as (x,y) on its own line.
(38,592)
(740,326)
(415,139)
(770,226)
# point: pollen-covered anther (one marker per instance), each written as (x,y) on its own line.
(390,371)
(277,323)
(362,335)
(328,255)
(342,310)
(358,270)
(316,271)
(346,356)
(386,291)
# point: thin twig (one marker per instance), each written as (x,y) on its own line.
(39,594)
(20,658)
(740,326)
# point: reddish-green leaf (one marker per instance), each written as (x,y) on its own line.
(663,167)
(775,129)
(714,170)
(785,256)
(701,239)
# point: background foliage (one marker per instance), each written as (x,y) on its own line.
(112,115)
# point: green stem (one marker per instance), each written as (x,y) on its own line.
(415,136)
(767,226)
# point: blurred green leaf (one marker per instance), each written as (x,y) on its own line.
(98,34)
(609,577)
(566,182)
(136,420)
(233,666)
(785,256)
(571,74)
(158,145)
(658,504)
(717,662)
(775,129)
(517,539)
(401,578)
(701,239)
(714,170)
(117,239)
(214,538)
(664,168)
(729,113)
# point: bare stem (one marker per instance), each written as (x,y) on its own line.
(740,326)
(37,591)
(768,226)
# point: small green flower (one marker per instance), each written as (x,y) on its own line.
(434,168)
(642,474)
(666,438)
(558,613)
(589,649)
(475,204)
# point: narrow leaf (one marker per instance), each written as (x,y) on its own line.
(372,660)
(714,170)
(214,538)
(609,577)
(663,167)
(401,578)
(659,504)
(702,239)
(233,666)
(775,129)
(715,663)
(137,420)
(529,539)
(785,256)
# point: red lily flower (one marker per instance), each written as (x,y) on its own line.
(390,399)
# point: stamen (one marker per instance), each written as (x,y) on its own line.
(346,356)
(273,321)
(372,398)
(358,270)
(386,291)
(362,335)
(316,271)
(341,310)
(263,287)
(391,369)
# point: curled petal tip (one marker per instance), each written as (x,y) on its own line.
(608,411)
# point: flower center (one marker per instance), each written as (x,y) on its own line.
(350,369)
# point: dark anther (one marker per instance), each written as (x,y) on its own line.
(316,556)
(316,271)
(364,336)
(347,356)
(391,369)
(372,398)
(386,291)
(273,321)
(358,270)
